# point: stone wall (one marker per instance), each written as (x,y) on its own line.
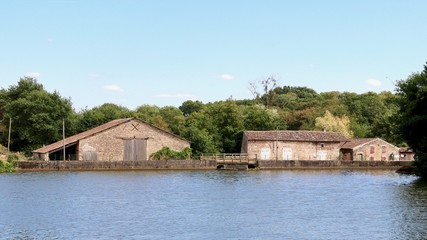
(115,165)
(377,150)
(109,145)
(307,164)
(293,150)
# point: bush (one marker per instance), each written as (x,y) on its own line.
(166,154)
(7,167)
(12,157)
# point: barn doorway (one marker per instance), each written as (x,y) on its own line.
(135,149)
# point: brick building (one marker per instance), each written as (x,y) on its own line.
(293,145)
(117,140)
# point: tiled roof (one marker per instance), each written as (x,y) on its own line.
(355,142)
(406,150)
(298,136)
(75,138)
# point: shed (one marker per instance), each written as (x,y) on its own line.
(406,154)
(369,149)
(293,145)
(117,140)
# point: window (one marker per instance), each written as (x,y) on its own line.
(372,150)
(287,154)
(383,149)
(265,154)
(322,145)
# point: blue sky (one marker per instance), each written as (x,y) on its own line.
(163,52)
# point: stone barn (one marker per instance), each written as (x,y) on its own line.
(292,145)
(369,149)
(117,140)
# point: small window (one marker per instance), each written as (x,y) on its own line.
(322,145)
(371,158)
(372,150)
(383,149)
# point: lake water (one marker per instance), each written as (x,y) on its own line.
(213,205)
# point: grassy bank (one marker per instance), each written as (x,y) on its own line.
(8,160)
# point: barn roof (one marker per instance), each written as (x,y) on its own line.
(298,136)
(356,142)
(75,138)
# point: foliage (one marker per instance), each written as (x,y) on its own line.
(90,118)
(36,114)
(189,107)
(7,167)
(413,115)
(167,154)
(212,127)
(332,123)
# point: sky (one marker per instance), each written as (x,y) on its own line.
(164,52)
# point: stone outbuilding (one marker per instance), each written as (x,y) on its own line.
(117,140)
(406,154)
(373,149)
(293,145)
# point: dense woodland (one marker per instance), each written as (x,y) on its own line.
(37,115)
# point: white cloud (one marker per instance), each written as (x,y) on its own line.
(226,76)
(33,74)
(374,82)
(176,95)
(113,88)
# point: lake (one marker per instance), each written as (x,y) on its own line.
(312,204)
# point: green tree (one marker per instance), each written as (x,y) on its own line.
(413,115)
(37,115)
(200,131)
(333,123)
(173,118)
(189,106)
(96,116)
(258,118)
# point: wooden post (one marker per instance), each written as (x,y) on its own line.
(8,139)
(63,136)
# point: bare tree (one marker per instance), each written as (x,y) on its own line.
(268,85)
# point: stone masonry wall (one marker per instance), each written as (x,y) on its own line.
(115,165)
(295,150)
(109,145)
(381,151)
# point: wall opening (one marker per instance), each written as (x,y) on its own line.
(71,153)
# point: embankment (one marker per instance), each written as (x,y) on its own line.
(307,164)
(114,165)
(199,164)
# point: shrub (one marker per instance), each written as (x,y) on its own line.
(7,166)
(166,154)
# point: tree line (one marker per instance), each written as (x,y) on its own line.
(399,118)
(37,115)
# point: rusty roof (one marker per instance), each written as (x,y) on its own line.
(297,136)
(75,138)
(355,142)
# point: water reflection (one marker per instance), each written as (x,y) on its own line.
(319,204)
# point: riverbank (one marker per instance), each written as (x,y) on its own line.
(25,166)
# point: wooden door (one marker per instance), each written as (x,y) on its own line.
(135,149)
